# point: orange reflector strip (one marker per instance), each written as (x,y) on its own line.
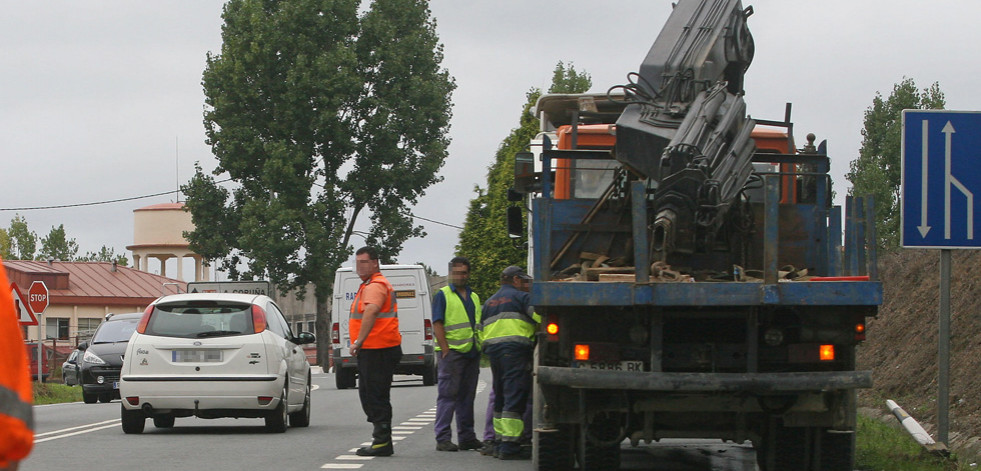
(552,328)
(827,352)
(582,352)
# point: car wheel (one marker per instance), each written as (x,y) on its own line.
(163,421)
(276,420)
(105,397)
(133,420)
(301,418)
(90,398)
(429,374)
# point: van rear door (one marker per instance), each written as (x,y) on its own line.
(412,297)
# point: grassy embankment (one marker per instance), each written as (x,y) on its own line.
(54,393)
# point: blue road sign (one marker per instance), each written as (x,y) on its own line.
(941,177)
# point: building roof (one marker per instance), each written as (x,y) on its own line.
(97,283)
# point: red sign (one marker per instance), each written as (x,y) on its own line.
(38,297)
(23,310)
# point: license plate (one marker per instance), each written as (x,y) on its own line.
(612,365)
(196,356)
(115,384)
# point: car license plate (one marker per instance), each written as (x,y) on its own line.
(115,384)
(196,356)
(631,365)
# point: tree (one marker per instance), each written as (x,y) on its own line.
(484,239)
(24,241)
(6,245)
(319,116)
(878,169)
(105,254)
(58,246)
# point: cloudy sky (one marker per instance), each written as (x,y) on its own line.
(101,100)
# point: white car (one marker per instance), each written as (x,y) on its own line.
(212,355)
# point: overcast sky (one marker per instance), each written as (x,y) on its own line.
(102,100)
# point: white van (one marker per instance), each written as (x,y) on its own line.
(415,322)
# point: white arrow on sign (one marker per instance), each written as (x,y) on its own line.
(923,227)
(950,180)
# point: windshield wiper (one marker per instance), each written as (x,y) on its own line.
(217,333)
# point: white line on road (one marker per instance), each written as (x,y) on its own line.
(75,428)
(353,457)
(342,466)
(76,433)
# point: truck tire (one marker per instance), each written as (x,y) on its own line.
(345,378)
(837,451)
(553,450)
(163,421)
(602,450)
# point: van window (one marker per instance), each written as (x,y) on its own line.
(200,319)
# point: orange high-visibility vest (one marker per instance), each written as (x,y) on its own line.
(385,332)
(16,391)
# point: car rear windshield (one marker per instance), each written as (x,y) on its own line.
(115,331)
(200,319)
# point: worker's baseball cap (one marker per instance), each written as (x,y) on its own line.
(514,271)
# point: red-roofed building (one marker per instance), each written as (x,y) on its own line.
(82,293)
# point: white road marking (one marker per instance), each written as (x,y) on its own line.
(353,457)
(75,428)
(77,433)
(342,466)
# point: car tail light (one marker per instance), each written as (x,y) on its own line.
(827,352)
(582,352)
(133,400)
(265,400)
(428,329)
(335,333)
(860,331)
(258,319)
(141,327)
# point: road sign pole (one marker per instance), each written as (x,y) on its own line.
(40,352)
(943,380)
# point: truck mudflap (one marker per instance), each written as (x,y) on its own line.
(581,378)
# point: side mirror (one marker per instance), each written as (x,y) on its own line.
(516,226)
(525,178)
(83,346)
(305,338)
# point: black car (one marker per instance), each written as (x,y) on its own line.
(69,369)
(102,358)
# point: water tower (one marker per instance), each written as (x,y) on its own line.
(158,232)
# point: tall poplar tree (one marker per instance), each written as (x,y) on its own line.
(878,169)
(319,115)
(484,238)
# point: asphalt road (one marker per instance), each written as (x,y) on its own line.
(89,436)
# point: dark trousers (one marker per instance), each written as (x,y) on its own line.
(376,367)
(511,367)
(457,387)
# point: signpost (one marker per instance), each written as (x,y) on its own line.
(940,167)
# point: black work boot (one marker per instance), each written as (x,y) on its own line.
(381,443)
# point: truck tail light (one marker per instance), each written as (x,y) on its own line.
(581,352)
(258,319)
(552,328)
(427,329)
(827,352)
(141,327)
(860,331)
(335,333)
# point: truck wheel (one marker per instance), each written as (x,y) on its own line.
(602,450)
(133,420)
(837,451)
(344,378)
(784,448)
(553,450)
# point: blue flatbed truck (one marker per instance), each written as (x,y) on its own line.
(672,310)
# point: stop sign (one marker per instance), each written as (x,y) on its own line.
(37,297)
